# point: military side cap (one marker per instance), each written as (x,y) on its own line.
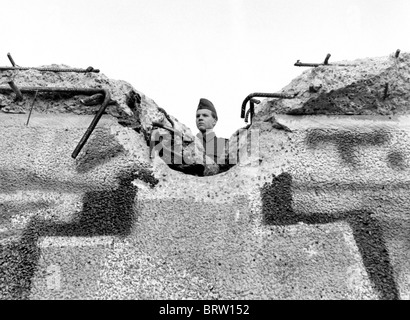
(206,104)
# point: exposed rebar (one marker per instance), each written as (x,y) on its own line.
(11,59)
(89,69)
(73,91)
(160,125)
(263,95)
(324,63)
(107,99)
(31,109)
(16,90)
(167,116)
(327,59)
(251,109)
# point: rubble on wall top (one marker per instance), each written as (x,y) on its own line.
(371,86)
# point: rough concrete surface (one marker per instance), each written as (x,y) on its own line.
(320,211)
(362,87)
(128,104)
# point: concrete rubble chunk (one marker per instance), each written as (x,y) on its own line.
(128,104)
(370,86)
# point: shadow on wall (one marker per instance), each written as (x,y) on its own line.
(101,148)
(277,210)
(108,212)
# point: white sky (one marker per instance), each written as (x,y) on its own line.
(178,51)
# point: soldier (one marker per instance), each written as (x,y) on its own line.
(215,157)
(215,148)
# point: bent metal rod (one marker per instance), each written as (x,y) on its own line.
(324,63)
(50,69)
(263,95)
(89,69)
(251,109)
(73,91)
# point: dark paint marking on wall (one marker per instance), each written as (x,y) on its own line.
(18,263)
(277,201)
(277,209)
(367,232)
(146,176)
(397,160)
(347,141)
(107,213)
(101,148)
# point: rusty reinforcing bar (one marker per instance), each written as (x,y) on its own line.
(263,95)
(251,109)
(31,108)
(324,63)
(18,68)
(89,69)
(73,91)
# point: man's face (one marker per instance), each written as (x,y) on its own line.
(205,120)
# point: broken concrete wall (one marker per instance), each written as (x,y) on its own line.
(320,212)
(377,86)
(131,107)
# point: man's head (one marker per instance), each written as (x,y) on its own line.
(206,116)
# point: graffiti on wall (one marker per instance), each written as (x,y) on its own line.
(278,206)
(104,213)
(277,209)
(349,142)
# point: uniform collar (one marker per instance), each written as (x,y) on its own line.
(208,136)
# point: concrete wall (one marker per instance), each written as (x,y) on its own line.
(324,214)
